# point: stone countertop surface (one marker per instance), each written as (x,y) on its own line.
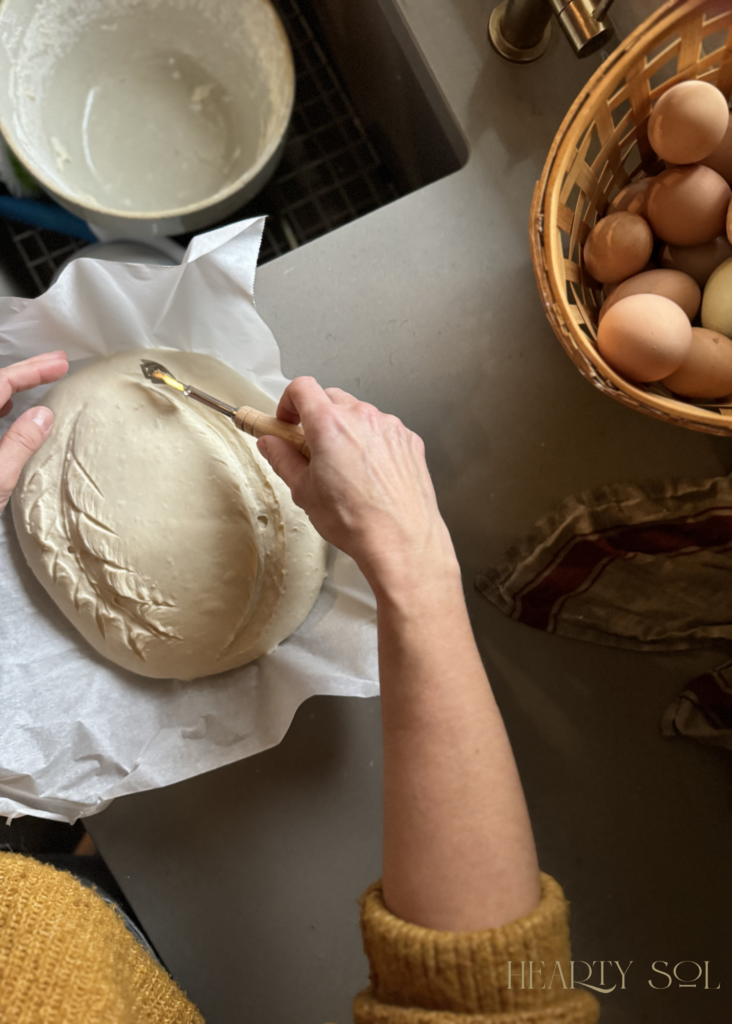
(428,308)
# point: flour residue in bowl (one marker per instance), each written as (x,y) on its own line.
(144,105)
(151,127)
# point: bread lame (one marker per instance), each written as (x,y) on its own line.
(251,421)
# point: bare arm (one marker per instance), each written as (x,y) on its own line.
(458,848)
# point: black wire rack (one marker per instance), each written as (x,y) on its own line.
(330,172)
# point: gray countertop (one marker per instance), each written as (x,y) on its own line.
(428,308)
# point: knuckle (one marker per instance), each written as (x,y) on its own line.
(369,412)
(23,438)
(416,443)
(300,384)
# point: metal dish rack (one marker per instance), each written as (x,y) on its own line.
(330,173)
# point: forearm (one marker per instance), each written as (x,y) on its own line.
(458,849)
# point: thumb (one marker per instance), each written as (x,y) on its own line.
(285,460)
(21,441)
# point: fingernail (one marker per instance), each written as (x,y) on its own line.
(263,447)
(43,417)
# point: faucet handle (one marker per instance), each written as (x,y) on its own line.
(521,30)
(601,9)
(584,24)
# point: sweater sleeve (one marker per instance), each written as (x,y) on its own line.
(420,976)
(66,956)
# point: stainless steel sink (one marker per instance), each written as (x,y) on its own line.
(396,96)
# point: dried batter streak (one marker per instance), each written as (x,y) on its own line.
(156,526)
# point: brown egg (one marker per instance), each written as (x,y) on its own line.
(609,289)
(706,372)
(720,160)
(680,288)
(729,222)
(645,337)
(688,122)
(688,205)
(698,261)
(633,198)
(618,246)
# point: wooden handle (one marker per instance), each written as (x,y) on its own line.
(257,423)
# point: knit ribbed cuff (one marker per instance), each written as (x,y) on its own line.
(579,1008)
(450,974)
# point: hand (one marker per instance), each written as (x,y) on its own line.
(31,429)
(367,488)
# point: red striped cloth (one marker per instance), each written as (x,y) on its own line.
(646,567)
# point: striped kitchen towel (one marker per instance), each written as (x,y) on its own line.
(641,566)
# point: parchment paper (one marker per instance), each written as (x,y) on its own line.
(76,731)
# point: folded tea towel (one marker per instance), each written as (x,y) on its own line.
(703,709)
(646,567)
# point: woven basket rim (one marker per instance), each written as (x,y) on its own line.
(543,217)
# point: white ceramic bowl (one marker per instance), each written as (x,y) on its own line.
(146,116)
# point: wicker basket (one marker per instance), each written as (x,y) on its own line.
(601,146)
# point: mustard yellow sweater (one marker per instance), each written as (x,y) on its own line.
(67,958)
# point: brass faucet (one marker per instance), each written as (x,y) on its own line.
(521,30)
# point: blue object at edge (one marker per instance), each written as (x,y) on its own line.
(48,216)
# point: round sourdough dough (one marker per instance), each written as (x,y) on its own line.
(156,526)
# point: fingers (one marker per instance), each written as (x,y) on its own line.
(30,373)
(7,408)
(302,399)
(22,440)
(285,460)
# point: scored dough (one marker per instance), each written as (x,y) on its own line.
(156,526)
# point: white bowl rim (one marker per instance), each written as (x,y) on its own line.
(90,204)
